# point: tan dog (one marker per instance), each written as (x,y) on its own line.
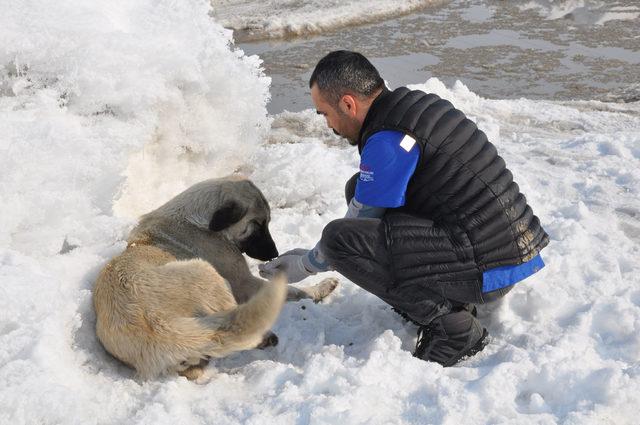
(182,291)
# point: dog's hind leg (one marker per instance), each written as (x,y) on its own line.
(195,371)
(316,292)
(269,340)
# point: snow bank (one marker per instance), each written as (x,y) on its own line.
(107,111)
(255,20)
(95,94)
(583,11)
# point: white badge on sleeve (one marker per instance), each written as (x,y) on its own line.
(407,142)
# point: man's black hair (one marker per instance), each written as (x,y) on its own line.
(342,72)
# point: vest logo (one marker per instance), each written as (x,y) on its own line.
(366,173)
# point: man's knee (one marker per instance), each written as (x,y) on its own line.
(350,187)
(354,237)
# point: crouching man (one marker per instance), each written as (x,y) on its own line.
(435,222)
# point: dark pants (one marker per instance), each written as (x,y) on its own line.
(357,249)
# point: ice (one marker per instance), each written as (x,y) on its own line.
(255,20)
(108,110)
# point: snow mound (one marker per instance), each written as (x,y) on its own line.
(104,102)
(255,20)
(585,12)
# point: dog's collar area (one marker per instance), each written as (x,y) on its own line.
(139,242)
(163,236)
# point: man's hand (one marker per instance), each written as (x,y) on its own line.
(295,264)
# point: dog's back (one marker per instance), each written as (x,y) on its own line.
(159,314)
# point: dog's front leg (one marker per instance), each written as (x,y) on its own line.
(316,292)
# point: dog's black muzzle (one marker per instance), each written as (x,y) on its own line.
(260,246)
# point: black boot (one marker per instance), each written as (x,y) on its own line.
(469,307)
(405,316)
(449,338)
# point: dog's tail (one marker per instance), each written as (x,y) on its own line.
(245,326)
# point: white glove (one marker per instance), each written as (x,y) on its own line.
(295,264)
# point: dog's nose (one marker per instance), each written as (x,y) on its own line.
(265,255)
(274,253)
(268,247)
(261,247)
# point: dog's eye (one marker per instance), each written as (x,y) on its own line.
(251,227)
(260,224)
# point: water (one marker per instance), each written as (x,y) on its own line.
(498,49)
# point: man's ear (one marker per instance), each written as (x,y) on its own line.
(348,105)
(230,213)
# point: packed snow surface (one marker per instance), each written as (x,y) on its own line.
(254,20)
(107,111)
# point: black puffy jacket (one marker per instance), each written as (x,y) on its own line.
(472,214)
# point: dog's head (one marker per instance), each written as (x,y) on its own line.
(231,207)
(243,216)
(247,226)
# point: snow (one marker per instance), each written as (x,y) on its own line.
(106,111)
(256,20)
(586,12)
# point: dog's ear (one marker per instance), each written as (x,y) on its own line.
(230,213)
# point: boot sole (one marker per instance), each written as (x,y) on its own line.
(476,348)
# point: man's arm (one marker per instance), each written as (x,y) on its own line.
(388,161)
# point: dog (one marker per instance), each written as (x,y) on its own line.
(182,292)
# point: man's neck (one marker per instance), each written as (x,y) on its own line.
(366,110)
(366,105)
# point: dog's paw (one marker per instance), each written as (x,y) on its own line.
(193,372)
(324,288)
(269,340)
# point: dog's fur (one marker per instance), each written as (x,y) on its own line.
(182,291)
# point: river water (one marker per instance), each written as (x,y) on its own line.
(536,50)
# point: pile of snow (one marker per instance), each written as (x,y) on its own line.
(587,12)
(108,111)
(628,93)
(255,20)
(93,95)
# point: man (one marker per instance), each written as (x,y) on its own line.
(435,222)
